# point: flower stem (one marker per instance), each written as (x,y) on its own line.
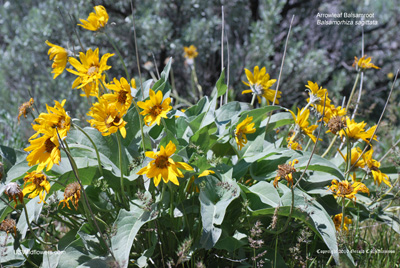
(253,99)
(23,254)
(30,227)
(86,204)
(348,164)
(308,145)
(94,146)
(352,91)
(196,81)
(329,147)
(123,197)
(140,125)
(171,201)
(164,124)
(276,251)
(343,211)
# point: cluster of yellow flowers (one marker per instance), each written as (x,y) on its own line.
(113,99)
(334,117)
(45,147)
(370,165)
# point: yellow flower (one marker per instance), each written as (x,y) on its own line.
(331,111)
(122,97)
(390,76)
(285,171)
(56,117)
(106,118)
(355,154)
(190,52)
(155,108)
(243,128)
(89,70)
(364,63)
(337,220)
(260,84)
(206,173)
(373,167)
(72,193)
(191,187)
(45,151)
(347,189)
(302,124)
(95,21)
(292,144)
(36,183)
(59,55)
(356,131)
(317,94)
(25,108)
(163,166)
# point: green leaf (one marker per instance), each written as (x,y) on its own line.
(204,139)
(215,198)
(160,84)
(221,87)
(169,137)
(319,164)
(146,89)
(266,192)
(50,259)
(127,225)
(107,145)
(266,167)
(34,209)
(258,114)
(7,156)
(83,252)
(277,120)
(18,171)
(230,112)
(231,243)
(4,209)
(132,127)
(311,213)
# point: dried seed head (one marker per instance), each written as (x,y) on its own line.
(72,189)
(336,124)
(345,188)
(72,192)
(14,191)
(8,225)
(25,108)
(285,171)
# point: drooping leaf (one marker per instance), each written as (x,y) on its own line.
(34,209)
(127,225)
(215,198)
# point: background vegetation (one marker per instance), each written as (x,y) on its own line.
(255,30)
